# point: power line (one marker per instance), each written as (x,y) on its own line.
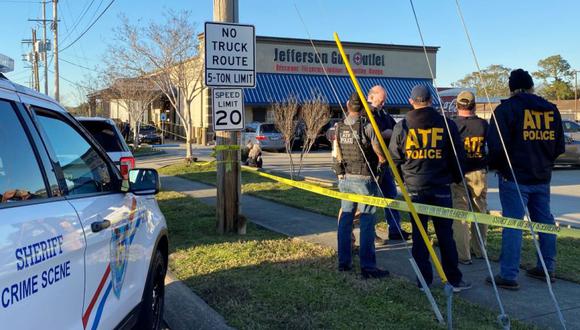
(84,12)
(89,27)
(75,64)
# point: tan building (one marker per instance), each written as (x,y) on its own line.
(290,67)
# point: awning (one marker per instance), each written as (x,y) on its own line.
(277,87)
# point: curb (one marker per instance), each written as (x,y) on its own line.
(184,310)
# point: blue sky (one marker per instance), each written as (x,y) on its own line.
(514,33)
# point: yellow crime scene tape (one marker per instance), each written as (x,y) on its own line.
(430,210)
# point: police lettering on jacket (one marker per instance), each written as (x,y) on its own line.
(531,130)
(424,143)
(537,125)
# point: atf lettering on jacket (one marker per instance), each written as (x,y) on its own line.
(424,143)
(537,126)
(473,146)
(346,137)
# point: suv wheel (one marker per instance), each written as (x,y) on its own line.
(151,314)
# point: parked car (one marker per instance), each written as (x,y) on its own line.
(572,154)
(265,135)
(80,247)
(148,134)
(572,129)
(106,132)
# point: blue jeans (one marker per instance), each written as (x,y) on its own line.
(362,186)
(389,190)
(438,196)
(537,200)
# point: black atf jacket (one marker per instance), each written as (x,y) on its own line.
(421,148)
(532,131)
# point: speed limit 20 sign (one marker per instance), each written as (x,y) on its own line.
(228,109)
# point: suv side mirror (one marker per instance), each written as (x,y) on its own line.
(143,181)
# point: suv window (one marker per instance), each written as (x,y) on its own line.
(105,134)
(20,175)
(83,168)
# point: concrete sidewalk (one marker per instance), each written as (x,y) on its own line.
(531,304)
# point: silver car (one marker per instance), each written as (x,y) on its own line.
(265,135)
(572,137)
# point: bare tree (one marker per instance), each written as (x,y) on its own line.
(285,119)
(135,95)
(315,113)
(168,54)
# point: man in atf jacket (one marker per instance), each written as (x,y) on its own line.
(421,146)
(473,131)
(532,133)
(357,155)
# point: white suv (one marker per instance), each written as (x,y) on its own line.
(80,247)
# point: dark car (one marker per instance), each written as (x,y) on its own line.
(148,134)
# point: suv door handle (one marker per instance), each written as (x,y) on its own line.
(97,226)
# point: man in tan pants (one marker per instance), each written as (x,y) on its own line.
(473,131)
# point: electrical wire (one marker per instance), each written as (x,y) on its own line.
(88,28)
(527,215)
(82,15)
(503,316)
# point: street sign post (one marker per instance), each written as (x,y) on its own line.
(230,55)
(228,109)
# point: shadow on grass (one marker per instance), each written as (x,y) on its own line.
(266,280)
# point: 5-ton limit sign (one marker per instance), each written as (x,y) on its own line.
(228,109)
(230,55)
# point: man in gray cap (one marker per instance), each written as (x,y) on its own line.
(421,148)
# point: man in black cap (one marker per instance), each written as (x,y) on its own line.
(532,133)
(358,154)
(421,148)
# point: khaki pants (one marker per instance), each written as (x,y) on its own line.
(464,232)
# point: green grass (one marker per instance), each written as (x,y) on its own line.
(568,259)
(263,280)
(253,184)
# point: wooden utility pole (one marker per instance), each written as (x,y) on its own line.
(55,49)
(44,50)
(228,161)
(35,78)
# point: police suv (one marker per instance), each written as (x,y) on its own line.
(81,245)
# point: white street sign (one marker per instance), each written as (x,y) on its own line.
(228,109)
(230,55)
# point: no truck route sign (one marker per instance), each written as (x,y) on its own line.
(230,55)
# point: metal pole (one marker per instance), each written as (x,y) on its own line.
(35,61)
(55,49)
(45,59)
(228,161)
(575,93)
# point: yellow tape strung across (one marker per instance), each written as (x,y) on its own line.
(386,153)
(430,210)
